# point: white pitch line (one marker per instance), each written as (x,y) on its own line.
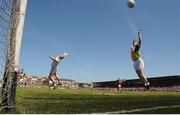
(142,109)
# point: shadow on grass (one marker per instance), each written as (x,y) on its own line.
(66,98)
(6,112)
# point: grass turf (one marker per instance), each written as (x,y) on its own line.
(45,101)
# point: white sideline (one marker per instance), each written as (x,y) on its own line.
(142,109)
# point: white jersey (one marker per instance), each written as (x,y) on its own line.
(54,66)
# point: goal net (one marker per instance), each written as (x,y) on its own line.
(5,13)
(11,26)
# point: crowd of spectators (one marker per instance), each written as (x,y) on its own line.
(157,89)
(167,89)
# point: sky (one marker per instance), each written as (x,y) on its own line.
(97,34)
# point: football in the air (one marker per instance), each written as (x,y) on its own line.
(131,3)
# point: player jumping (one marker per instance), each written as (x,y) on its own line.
(53,77)
(137,60)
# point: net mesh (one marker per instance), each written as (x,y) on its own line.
(9,19)
(5,13)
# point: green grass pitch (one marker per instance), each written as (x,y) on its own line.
(45,101)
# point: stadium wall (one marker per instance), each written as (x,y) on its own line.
(165,81)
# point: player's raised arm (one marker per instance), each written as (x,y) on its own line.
(62,56)
(52,58)
(139,37)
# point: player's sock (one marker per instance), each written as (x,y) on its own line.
(145,87)
(148,85)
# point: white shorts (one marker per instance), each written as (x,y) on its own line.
(139,64)
(50,82)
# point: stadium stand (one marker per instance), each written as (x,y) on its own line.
(165,83)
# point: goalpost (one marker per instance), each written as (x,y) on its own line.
(12,15)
